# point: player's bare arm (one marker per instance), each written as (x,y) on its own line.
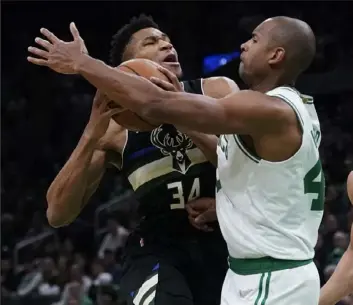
(82,173)
(245,112)
(216,87)
(341,282)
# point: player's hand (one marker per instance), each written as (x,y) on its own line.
(201,212)
(102,111)
(56,54)
(174,84)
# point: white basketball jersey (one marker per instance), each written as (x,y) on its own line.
(272,208)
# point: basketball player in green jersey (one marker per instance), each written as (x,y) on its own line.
(340,283)
(165,255)
(270,189)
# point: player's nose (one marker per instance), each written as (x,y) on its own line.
(165,45)
(243,47)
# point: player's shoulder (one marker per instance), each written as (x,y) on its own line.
(284,92)
(291,94)
(219,86)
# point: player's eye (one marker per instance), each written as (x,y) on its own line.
(150,41)
(254,38)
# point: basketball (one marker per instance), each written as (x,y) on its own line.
(147,69)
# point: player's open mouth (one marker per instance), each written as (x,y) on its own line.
(171,60)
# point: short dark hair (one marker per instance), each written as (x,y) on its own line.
(121,39)
(299,40)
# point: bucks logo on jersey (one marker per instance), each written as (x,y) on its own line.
(172,142)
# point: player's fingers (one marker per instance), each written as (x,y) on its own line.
(38,52)
(193,223)
(207,216)
(43,43)
(113,112)
(100,101)
(171,76)
(52,38)
(37,61)
(191,211)
(203,227)
(163,84)
(74,31)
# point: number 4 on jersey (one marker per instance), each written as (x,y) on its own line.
(314,183)
(178,193)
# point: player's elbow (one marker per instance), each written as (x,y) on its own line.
(56,219)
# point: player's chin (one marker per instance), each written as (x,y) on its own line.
(173,67)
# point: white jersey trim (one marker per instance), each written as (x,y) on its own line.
(245,151)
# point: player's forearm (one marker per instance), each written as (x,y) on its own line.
(341,282)
(190,111)
(66,193)
(206,143)
(129,91)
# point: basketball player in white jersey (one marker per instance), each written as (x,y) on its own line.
(270,182)
(340,283)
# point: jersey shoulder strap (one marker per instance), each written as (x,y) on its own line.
(293,98)
(193,86)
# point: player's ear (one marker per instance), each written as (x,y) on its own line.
(276,56)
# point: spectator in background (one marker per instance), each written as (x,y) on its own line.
(107,295)
(111,265)
(9,280)
(31,280)
(340,244)
(63,271)
(100,278)
(99,274)
(114,239)
(76,291)
(49,285)
(77,275)
(76,295)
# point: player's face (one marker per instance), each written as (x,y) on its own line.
(152,44)
(256,54)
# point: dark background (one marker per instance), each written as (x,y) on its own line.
(43,113)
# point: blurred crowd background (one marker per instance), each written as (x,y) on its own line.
(43,115)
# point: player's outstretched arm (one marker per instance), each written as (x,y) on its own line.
(245,112)
(340,283)
(216,87)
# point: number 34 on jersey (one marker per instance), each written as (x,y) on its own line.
(180,194)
